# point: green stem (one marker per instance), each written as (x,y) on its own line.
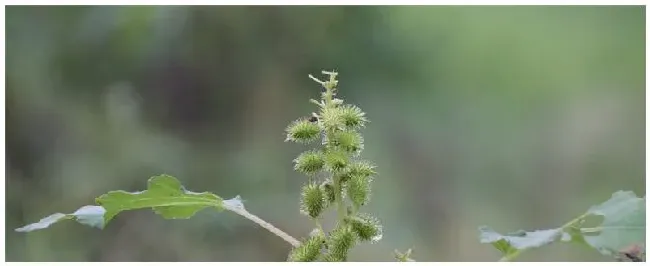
(328,97)
(591,230)
(319,226)
(340,205)
(515,254)
(355,209)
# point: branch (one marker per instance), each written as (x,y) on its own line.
(235,205)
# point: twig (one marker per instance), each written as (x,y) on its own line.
(235,205)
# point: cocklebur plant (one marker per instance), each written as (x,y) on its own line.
(337,178)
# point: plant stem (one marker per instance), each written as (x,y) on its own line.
(319,226)
(591,230)
(266,225)
(515,254)
(340,205)
(328,97)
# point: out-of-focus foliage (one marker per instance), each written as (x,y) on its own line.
(622,225)
(509,116)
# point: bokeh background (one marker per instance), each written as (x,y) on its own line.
(513,117)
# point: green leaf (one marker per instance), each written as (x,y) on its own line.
(165,196)
(574,235)
(91,215)
(519,240)
(623,223)
(88,215)
(43,223)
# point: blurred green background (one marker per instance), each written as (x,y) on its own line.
(513,117)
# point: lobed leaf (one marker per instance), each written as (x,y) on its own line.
(573,234)
(89,215)
(623,223)
(519,240)
(43,223)
(165,195)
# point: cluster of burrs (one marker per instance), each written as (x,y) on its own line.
(338,177)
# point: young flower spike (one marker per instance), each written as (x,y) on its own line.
(309,162)
(346,186)
(303,131)
(332,118)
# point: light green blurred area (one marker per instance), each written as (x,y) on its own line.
(512,117)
